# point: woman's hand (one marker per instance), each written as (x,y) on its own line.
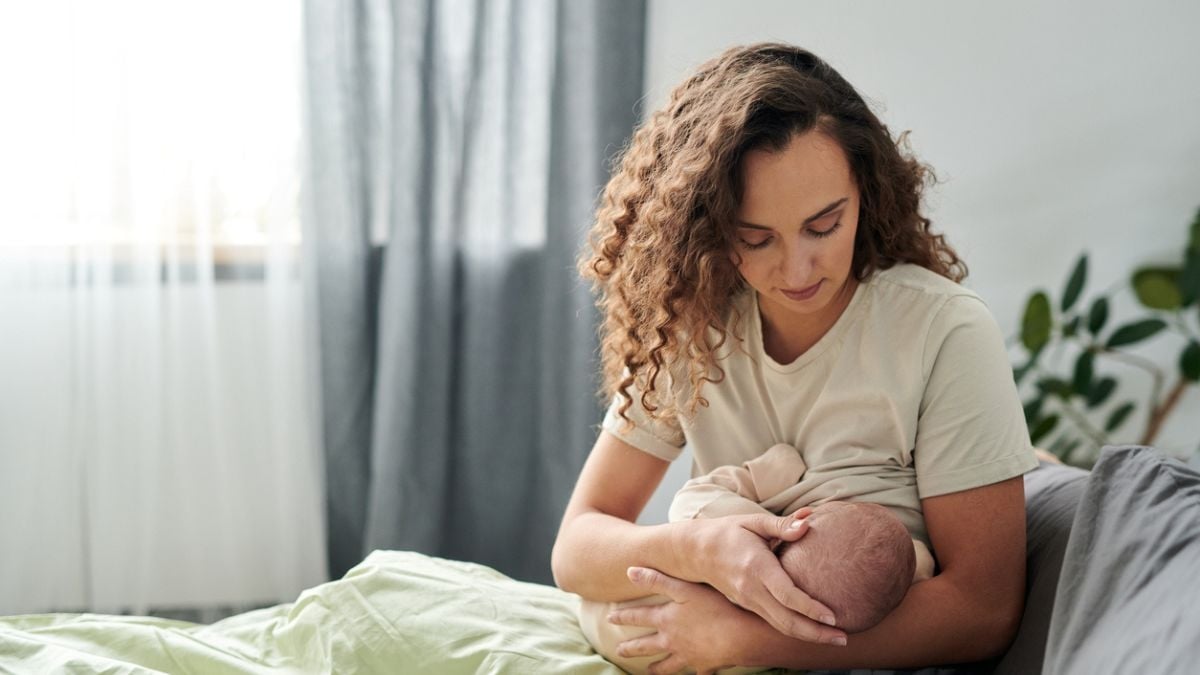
(699,629)
(736,558)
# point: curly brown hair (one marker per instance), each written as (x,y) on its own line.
(658,250)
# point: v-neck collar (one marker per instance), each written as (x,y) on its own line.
(844,320)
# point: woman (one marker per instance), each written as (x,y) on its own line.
(766,277)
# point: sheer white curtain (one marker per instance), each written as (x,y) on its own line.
(157,448)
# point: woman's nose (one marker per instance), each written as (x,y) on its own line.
(796,267)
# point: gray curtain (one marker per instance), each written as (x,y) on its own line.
(455,153)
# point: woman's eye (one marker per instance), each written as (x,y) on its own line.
(756,244)
(825,233)
(752,244)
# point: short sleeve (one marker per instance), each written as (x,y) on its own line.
(971,428)
(661,437)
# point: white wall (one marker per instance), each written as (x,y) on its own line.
(1057,127)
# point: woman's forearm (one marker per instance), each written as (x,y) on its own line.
(594,549)
(937,623)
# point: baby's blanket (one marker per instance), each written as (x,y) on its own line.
(396,612)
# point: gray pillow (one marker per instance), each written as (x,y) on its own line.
(1128,600)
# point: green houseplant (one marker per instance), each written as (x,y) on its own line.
(1074,405)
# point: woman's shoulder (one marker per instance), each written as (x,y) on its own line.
(910,302)
(914,277)
(907,286)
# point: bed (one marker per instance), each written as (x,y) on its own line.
(396,612)
(1113,555)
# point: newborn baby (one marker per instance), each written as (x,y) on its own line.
(857,558)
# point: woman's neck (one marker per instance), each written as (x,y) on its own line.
(786,337)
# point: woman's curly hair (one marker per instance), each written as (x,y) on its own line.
(658,253)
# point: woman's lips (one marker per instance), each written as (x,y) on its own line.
(805,293)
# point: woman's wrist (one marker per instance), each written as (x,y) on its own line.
(686,542)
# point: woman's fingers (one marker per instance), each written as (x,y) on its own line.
(760,585)
(785,528)
(793,598)
(802,512)
(789,609)
(657,582)
(669,665)
(801,627)
(797,614)
(647,645)
(646,615)
(797,625)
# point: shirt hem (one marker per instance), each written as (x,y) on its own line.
(978,476)
(641,439)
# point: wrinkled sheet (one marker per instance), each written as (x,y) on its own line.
(1113,587)
(396,612)
(1128,598)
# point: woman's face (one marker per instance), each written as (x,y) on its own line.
(797,221)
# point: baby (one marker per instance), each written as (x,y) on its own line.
(857,558)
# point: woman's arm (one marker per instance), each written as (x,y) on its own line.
(969,612)
(598,541)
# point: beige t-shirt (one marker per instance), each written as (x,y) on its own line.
(909,395)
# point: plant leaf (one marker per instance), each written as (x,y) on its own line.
(1075,283)
(1118,417)
(1072,327)
(1101,391)
(1194,235)
(1020,373)
(1044,427)
(1084,367)
(1189,280)
(1033,409)
(1054,385)
(1158,287)
(1035,327)
(1057,446)
(1135,332)
(1098,315)
(1068,449)
(1189,361)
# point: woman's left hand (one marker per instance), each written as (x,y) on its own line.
(699,628)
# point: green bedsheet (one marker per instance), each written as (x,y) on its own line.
(396,612)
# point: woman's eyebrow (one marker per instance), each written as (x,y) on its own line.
(815,216)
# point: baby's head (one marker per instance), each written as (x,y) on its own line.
(857,559)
